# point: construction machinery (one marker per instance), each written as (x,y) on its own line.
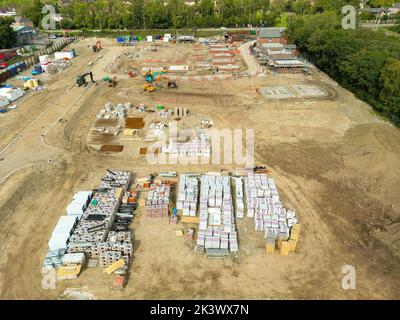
(81,79)
(170,83)
(37,70)
(157,77)
(131,74)
(149,87)
(112,82)
(97,47)
(149,77)
(260,169)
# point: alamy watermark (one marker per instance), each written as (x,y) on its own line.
(49,279)
(349,280)
(349,20)
(49,20)
(202,146)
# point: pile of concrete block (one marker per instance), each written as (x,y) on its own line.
(188,191)
(217,228)
(239,203)
(197,146)
(194,147)
(92,234)
(264,206)
(90,215)
(158,198)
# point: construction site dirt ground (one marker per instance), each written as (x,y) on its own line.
(334,161)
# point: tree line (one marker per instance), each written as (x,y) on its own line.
(160,14)
(364,61)
(8,37)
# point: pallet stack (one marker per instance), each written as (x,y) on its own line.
(263,204)
(92,235)
(187,195)
(158,198)
(239,204)
(217,228)
(194,147)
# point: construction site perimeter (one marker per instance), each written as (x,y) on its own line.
(332,159)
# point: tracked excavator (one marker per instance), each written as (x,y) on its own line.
(97,47)
(170,83)
(81,79)
(148,86)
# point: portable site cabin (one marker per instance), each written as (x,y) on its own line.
(186,39)
(178,68)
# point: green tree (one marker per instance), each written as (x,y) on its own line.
(390,94)
(138,13)
(301,7)
(362,70)
(381,3)
(33,12)
(8,37)
(364,61)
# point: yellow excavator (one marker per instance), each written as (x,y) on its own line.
(170,83)
(148,87)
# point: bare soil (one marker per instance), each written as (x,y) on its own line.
(334,161)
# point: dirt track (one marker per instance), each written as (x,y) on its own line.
(333,161)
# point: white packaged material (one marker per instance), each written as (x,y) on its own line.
(64,55)
(75,208)
(58,242)
(44,59)
(11,94)
(83,195)
(74,258)
(65,226)
(4,101)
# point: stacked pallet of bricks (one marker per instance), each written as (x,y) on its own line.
(194,147)
(239,204)
(263,204)
(158,198)
(188,190)
(217,225)
(118,245)
(92,234)
(198,146)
